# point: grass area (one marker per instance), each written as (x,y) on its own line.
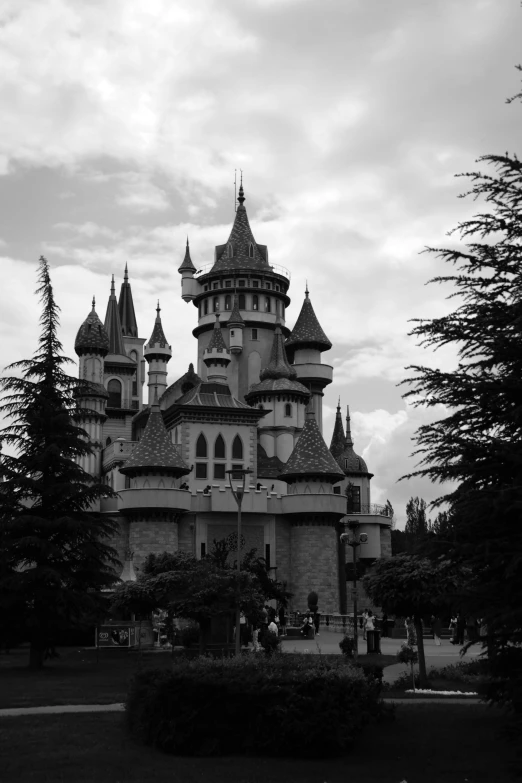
(77,677)
(425,744)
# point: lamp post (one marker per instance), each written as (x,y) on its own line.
(354,539)
(238,497)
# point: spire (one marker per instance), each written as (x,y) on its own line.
(310,456)
(92,336)
(126,308)
(187,265)
(158,335)
(113,324)
(241,197)
(236,319)
(94,304)
(338,443)
(307,330)
(155,450)
(241,251)
(278,366)
(217,342)
(348,441)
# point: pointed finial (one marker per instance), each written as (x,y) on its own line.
(93,303)
(126,274)
(339,403)
(113,287)
(241,197)
(306,290)
(187,242)
(217,325)
(158,310)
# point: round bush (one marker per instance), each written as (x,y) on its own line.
(263,706)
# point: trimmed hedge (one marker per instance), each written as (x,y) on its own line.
(264,706)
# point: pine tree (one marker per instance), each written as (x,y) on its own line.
(416,520)
(56,557)
(478,446)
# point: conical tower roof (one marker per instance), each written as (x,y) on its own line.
(155,449)
(158,335)
(307,330)
(129,325)
(350,462)
(278,375)
(217,342)
(92,336)
(310,456)
(186,264)
(236,319)
(113,324)
(338,443)
(241,250)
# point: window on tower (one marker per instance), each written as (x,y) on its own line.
(242,302)
(288,409)
(228,302)
(251,250)
(114,389)
(237,449)
(215,286)
(254,334)
(231,251)
(205,306)
(201,470)
(267,304)
(255,302)
(219,470)
(201,446)
(219,448)
(241,283)
(228,284)
(215,304)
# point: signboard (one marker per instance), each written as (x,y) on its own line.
(116,636)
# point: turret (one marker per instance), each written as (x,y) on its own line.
(338,443)
(235,325)
(120,369)
(91,346)
(216,356)
(132,343)
(356,471)
(306,343)
(311,464)
(158,353)
(189,285)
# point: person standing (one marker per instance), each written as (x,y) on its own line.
(384,624)
(363,621)
(461,627)
(282,620)
(436,627)
(369,625)
(317,620)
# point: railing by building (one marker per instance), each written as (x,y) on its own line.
(276,269)
(123,403)
(373,508)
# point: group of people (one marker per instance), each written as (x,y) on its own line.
(310,624)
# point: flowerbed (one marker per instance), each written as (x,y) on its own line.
(429,692)
(306,708)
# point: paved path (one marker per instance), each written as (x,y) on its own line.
(60,708)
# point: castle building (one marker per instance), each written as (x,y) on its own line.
(253,402)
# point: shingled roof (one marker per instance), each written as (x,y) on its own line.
(310,456)
(186,264)
(155,449)
(307,329)
(239,243)
(158,335)
(113,325)
(278,375)
(129,325)
(235,319)
(338,443)
(213,395)
(92,335)
(268,467)
(217,342)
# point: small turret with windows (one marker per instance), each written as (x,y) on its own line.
(158,353)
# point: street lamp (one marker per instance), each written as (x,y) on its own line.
(238,497)
(354,539)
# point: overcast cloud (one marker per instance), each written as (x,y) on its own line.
(123,122)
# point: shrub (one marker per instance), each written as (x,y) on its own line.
(313,601)
(265,706)
(347,645)
(270,642)
(189,636)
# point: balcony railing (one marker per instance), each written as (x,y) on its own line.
(276,269)
(373,508)
(123,403)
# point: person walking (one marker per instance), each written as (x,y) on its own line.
(436,627)
(363,621)
(369,624)
(461,627)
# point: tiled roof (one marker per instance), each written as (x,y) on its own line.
(126,308)
(92,335)
(268,467)
(155,449)
(278,385)
(310,456)
(187,264)
(236,319)
(307,330)
(91,389)
(240,239)
(217,342)
(158,335)
(113,325)
(338,438)
(214,395)
(278,375)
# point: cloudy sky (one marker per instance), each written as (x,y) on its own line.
(122,124)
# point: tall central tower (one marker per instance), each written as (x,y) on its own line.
(241,268)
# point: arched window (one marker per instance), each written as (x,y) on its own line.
(205,307)
(215,304)
(108,442)
(134,356)
(267,304)
(114,389)
(237,448)
(228,302)
(288,409)
(251,250)
(278,306)
(231,251)
(242,302)
(219,448)
(255,302)
(201,447)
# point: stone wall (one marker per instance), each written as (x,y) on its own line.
(254,536)
(314,566)
(152,536)
(282,555)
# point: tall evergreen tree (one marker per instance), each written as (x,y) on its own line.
(478,446)
(56,557)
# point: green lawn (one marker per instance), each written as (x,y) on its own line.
(425,744)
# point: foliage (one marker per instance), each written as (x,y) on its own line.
(313,601)
(407,654)
(270,642)
(347,645)
(56,557)
(416,520)
(189,635)
(263,706)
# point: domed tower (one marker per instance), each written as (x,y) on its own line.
(286,399)
(306,343)
(310,473)
(241,265)
(153,501)
(216,356)
(158,353)
(189,285)
(354,468)
(91,346)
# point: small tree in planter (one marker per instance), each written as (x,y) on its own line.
(313,601)
(347,646)
(408,654)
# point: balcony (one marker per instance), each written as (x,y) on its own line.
(154,498)
(118,451)
(311,372)
(373,509)
(330,504)
(122,403)
(276,269)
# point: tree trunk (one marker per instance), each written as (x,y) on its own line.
(423,677)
